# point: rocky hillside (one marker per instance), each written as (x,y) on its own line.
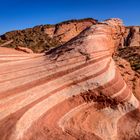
(44,37)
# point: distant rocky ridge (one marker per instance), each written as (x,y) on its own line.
(44,37)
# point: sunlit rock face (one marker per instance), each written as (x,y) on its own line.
(72,92)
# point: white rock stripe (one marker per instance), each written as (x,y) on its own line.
(120,92)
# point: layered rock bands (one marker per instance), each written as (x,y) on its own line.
(72,92)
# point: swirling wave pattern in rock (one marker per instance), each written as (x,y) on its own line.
(72,92)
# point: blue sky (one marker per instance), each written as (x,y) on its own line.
(20,14)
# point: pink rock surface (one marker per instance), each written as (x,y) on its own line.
(72,92)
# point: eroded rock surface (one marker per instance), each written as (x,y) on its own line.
(71,92)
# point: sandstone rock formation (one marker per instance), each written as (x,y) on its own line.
(71,92)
